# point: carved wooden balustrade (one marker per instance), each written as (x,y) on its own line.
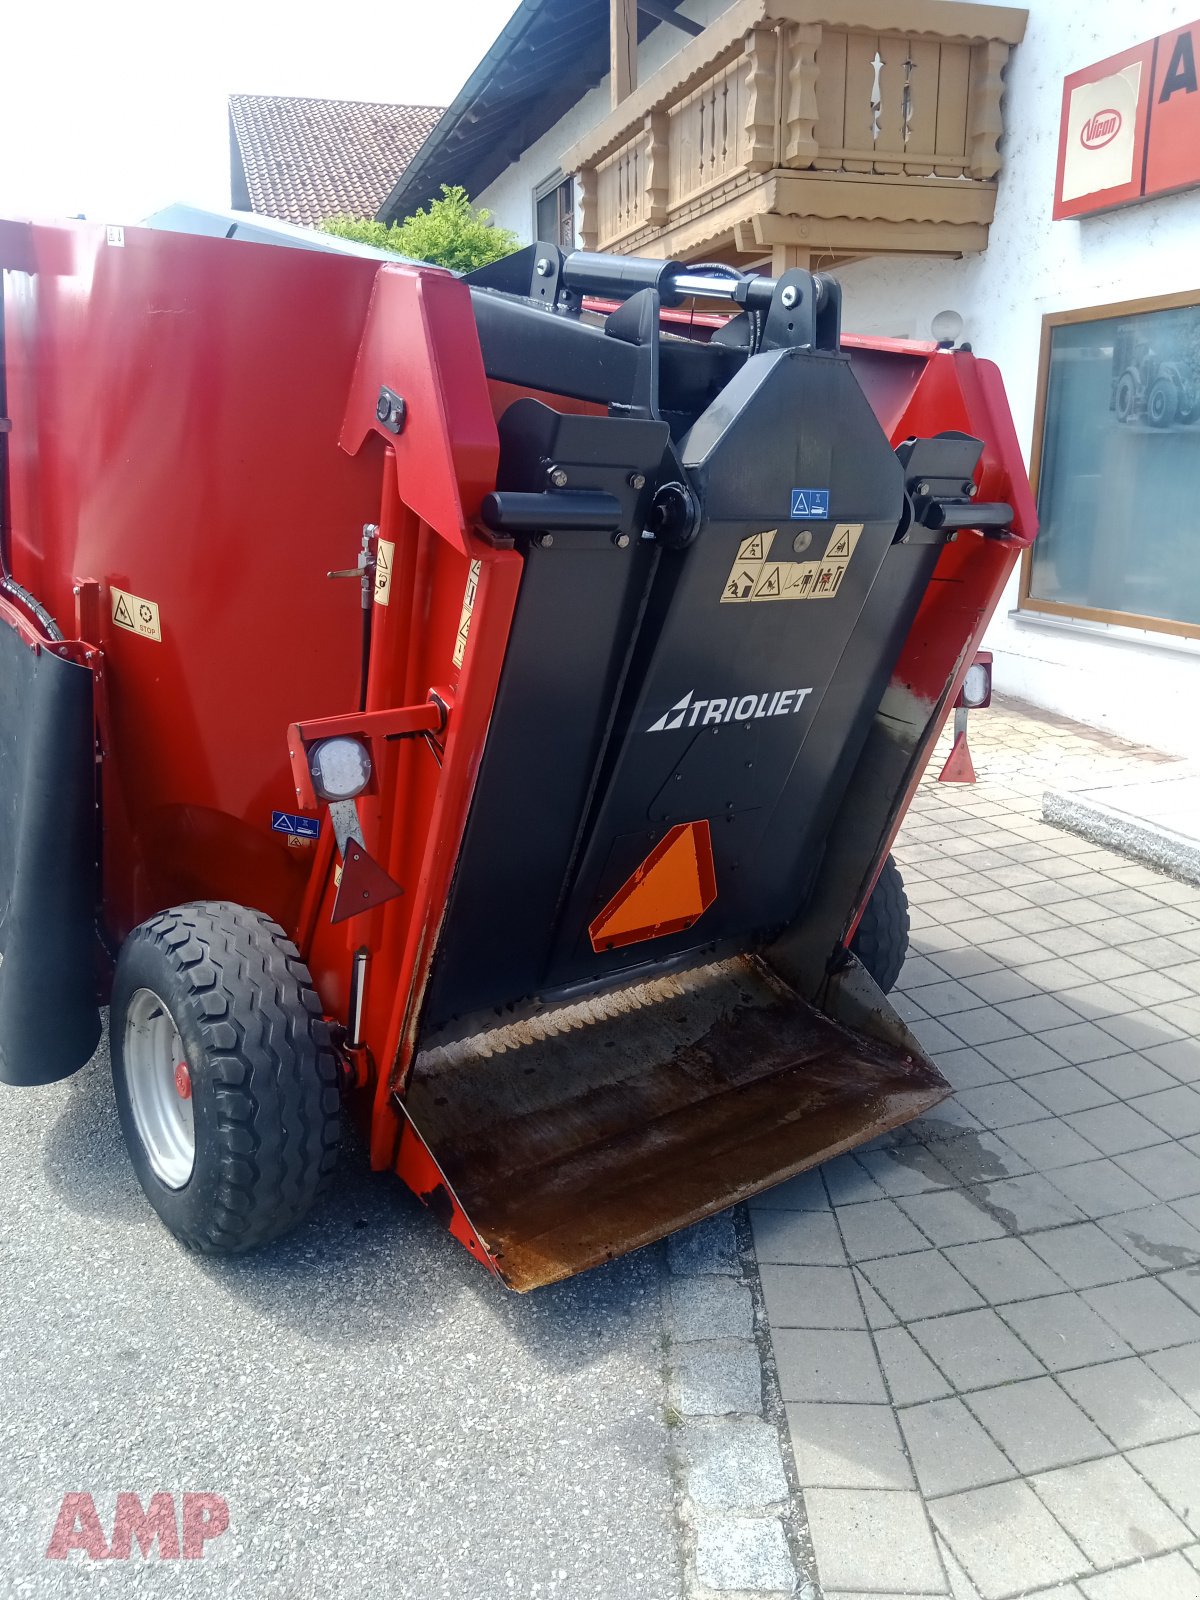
(806,131)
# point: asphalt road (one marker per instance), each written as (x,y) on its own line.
(381,1417)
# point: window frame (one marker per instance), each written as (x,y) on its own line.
(1026,601)
(547,187)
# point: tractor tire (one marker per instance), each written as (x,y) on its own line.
(1125,398)
(881,939)
(225,1078)
(1162,403)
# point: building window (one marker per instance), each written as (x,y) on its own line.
(1117,466)
(554,212)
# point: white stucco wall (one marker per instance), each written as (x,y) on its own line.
(510,197)
(1140,685)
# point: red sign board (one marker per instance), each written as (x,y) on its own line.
(1130,126)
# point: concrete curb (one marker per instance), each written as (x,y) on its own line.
(735,1498)
(1105,825)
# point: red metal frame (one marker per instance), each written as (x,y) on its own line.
(179,444)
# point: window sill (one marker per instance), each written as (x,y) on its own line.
(1107,633)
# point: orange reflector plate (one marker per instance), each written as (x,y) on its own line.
(672,888)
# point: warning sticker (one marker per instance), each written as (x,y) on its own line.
(752,580)
(810,503)
(295,825)
(131,612)
(385,554)
(464,621)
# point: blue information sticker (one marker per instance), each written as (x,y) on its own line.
(299,827)
(810,503)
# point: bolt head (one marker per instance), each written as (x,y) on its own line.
(621,540)
(543,267)
(558,477)
(922,488)
(637,480)
(789,296)
(544,540)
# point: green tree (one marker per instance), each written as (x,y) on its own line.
(451,232)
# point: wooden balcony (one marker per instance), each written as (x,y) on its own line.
(808,132)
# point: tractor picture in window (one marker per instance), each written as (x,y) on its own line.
(1161,388)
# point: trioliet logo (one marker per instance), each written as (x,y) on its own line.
(729,708)
(1101,128)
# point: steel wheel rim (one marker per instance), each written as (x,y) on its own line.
(164,1117)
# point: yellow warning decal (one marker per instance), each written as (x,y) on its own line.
(753,578)
(385,554)
(135,615)
(464,620)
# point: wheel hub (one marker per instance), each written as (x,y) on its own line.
(160,1088)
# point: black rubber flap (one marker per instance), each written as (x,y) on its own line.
(49,1016)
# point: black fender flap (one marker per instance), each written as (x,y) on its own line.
(49,1011)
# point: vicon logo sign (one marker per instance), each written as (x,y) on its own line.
(1101,128)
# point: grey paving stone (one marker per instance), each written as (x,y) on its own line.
(827,1366)
(1000,1105)
(1179,1057)
(1098,1001)
(1064,1332)
(906,1169)
(804,1238)
(1160,952)
(998,985)
(1130,1402)
(847,1447)
(1173,1469)
(1112,1515)
(1180,1367)
(1156,1235)
(1054,975)
(1185,1282)
(1037,1425)
(1066,1089)
(983,1026)
(1145,1313)
(1020,1056)
(980,1158)
(1022,1204)
(873,1539)
(878,1228)
(969,962)
(1053,1143)
(1142,1030)
(1038,1012)
(911,1376)
(934,1035)
(710,1308)
(941,999)
(1108,963)
(1176,1111)
(848,1181)
(949,1450)
(1004,1269)
(878,1313)
(746,1554)
(952,1216)
(732,1464)
(975,1350)
(1084,1256)
(967,1069)
(811,1297)
(1020,950)
(805,1192)
(949,1120)
(1170,1171)
(718,1378)
(1162,1578)
(1082,1041)
(1007,1541)
(1128,1075)
(916,971)
(921,1285)
(1101,1188)
(1115,1129)
(708,1246)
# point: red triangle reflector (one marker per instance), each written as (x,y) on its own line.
(672,888)
(364,884)
(959,767)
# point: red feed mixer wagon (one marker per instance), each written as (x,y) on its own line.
(448,701)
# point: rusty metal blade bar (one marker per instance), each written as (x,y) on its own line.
(583,1133)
